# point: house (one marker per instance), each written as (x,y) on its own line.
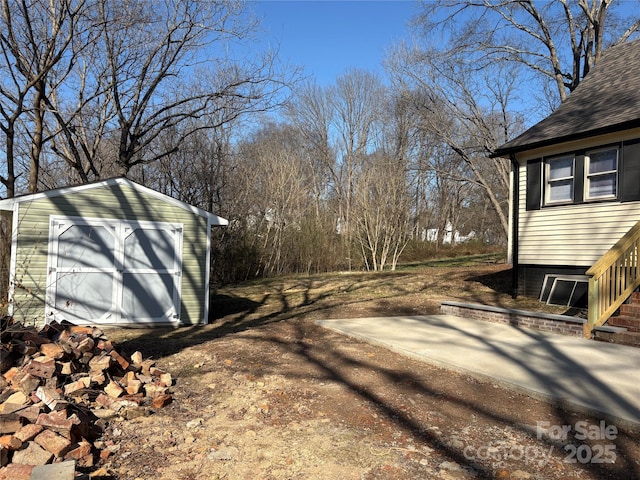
(449,236)
(109,252)
(575,206)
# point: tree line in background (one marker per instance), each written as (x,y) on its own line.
(345,176)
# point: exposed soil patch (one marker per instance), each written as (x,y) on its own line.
(264,393)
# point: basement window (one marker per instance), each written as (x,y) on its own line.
(565,290)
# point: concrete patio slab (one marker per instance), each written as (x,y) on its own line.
(600,378)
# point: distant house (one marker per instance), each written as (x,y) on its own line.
(449,237)
(576,191)
(109,252)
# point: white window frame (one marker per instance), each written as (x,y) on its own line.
(549,182)
(588,176)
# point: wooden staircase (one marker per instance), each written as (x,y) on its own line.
(628,318)
(612,280)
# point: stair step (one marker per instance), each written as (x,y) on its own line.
(635,297)
(631,339)
(630,309)
(632,324)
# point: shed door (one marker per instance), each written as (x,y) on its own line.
(113,271)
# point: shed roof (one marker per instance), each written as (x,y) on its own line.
(212,219)
(607,100)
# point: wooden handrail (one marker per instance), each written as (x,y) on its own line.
(613,278)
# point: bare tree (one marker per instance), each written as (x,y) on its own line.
(465,109)
(558,39)
(149,53)
(310,112)
(382,211)
(405,140)
(450,191)
(146,79)
(355,102)
(83,114)
(35,39)
(275,177)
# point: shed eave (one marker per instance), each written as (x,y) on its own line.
(7,204)
(215,220)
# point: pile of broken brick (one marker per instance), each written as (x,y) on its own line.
(59,387)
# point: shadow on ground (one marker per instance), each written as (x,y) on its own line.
(284,328)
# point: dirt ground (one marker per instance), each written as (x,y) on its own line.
(264,393)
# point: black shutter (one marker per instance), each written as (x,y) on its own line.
(578,184)
(629,176)
(534,184)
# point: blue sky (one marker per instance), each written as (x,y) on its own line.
(329,37)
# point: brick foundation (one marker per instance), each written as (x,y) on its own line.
(560,324)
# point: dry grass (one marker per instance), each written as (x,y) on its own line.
(411,290)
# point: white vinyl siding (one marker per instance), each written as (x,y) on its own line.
(573,235)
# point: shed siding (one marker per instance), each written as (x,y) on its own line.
(116,202)
(572,235)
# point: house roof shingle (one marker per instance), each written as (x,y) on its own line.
(607,100)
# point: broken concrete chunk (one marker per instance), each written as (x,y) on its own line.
(9,374)
(28,383)
(51,398)
(86,345)
(14,402)
(78,451)
(28,432)
(133,386)
(156,372)
(100,362)
(31,412)
(17,471)
(10,442)
(52,442)
(162,401)
(58,367)
(105,345)
(52,350)
(59,471)
(146,366)
(166,380)
(120,359)
(136,359)
(33,454)
(58,422)
(66,368)
(113,389)
(154,391)
(80,330)
(78,386)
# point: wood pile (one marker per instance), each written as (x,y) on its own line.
(59,387)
